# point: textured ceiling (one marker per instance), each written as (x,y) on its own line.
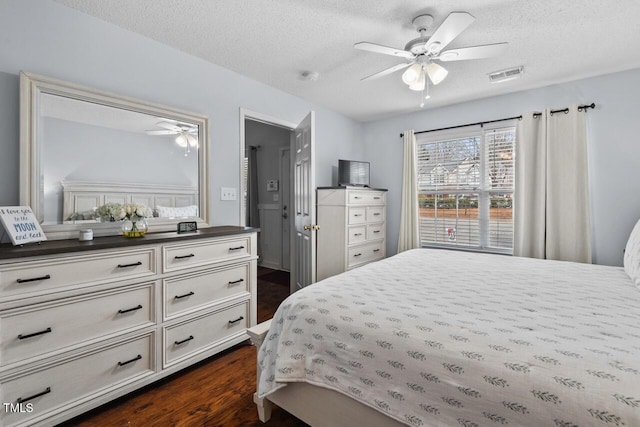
(273,41)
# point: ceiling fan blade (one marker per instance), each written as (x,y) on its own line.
(169,126)
(160,132)
(473,52)
(378,48)
(387,71)
(451,28)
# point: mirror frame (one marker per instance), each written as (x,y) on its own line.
(32,86)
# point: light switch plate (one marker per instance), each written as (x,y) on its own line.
(228,193)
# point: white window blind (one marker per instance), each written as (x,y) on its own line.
(465,188)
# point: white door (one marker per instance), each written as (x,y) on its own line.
(285,203)
(304,206)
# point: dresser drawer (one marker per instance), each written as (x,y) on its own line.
(375,231)
(202,253)
(375,213)
(366,198)
(54,273)
(186,339)
(365,253)
(357,215)
(357,234)
(70,380)
(187,293)
(41,328)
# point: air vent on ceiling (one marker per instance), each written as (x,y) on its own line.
(506,75)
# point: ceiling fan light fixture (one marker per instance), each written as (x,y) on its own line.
(420,83)
(192,140)
(182,140)
(436,72)
(412,75)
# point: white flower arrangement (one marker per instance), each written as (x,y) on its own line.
(118,212)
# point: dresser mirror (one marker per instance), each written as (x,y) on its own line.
(82,150)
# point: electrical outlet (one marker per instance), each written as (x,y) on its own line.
(228,193)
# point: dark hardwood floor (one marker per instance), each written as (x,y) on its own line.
(215,392)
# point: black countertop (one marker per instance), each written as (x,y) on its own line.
(53,247)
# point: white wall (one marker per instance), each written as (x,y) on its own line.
(614,150)
(47,38)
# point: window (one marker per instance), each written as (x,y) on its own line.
(465,188)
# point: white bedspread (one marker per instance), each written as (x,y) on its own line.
(445,338)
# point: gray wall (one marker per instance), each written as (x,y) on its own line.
(614,151)
(47,38)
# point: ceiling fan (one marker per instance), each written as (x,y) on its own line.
(423,52)
(187,134)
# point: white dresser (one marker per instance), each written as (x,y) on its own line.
(82,323)
(352,228)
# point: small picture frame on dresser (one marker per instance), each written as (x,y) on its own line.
(21,225)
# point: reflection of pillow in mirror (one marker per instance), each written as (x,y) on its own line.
(171,212)
(631,260)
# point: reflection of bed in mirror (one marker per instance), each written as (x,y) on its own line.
(81,199)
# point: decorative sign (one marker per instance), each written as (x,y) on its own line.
(21,225)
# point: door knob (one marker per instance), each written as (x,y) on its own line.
(311,227)
(307,227)
(284,215)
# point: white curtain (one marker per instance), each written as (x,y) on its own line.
(409,237)
(551,212)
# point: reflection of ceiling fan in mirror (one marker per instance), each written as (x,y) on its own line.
(423,52)
(187,135)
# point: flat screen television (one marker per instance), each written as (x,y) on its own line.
(353,173)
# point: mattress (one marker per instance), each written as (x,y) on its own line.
(446,338)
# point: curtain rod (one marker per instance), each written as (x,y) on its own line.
(535,115)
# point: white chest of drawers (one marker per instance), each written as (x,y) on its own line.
(82,323)
(352,229)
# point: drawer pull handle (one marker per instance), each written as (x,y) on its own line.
(357,234)
(357,255)
(376,250)
(231,322)
(376,198)
(135,264)
(357,197)
(357,214)
(237,248)
(236,281)
(184,256)
(35,279)
(138,357)
(376,231)
(376,214)
(26,399)
(184,340)
(185,295)
(138,307)
(35,334)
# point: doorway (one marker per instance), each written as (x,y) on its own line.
(267,193)
(285,203)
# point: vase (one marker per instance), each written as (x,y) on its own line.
(135,227)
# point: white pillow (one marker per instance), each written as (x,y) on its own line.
(632,255)
(171,212)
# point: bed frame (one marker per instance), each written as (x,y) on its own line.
(316,406)
(82,196)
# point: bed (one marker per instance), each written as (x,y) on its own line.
(81,198)
(448,338)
